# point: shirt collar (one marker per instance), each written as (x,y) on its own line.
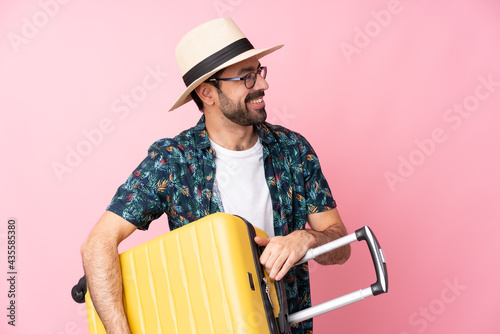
(202,141)
(265,133)
(201,134)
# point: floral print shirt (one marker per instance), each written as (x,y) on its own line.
(177,178)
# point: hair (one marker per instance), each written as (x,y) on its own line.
(196,98)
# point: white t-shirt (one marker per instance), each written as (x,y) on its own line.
(240,178)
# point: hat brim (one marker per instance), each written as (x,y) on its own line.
(259,53)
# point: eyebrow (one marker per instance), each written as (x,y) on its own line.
(248,69)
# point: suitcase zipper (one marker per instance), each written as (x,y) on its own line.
(267,291)
(264,285)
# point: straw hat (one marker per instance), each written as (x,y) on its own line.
(207,49)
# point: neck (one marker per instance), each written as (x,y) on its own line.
(230,135)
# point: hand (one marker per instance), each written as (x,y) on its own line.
(281,253)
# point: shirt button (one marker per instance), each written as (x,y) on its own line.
(209,178)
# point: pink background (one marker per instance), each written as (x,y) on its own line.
(393,95)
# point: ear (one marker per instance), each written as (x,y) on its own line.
(206,92)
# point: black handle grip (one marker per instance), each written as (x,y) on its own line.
(382,284)
(79,290)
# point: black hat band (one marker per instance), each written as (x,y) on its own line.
(220,57)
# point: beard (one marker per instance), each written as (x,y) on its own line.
(239,113)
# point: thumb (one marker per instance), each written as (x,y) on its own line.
(261,241)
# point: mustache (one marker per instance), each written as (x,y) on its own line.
(254,95)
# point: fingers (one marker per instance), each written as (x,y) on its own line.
(278,267)
(272,259)
(279,256)
(284,262)
(264,257)
(261,241)
(282,252)
(286,267)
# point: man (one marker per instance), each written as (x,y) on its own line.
(230,161)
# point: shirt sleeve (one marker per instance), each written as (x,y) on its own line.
(142,199)
(317,191)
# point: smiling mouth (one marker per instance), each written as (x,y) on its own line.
(256,101)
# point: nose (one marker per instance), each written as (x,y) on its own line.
(260,83)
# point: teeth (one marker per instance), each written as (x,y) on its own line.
(256,101)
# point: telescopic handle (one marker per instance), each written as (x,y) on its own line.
(366,234)
(382,284)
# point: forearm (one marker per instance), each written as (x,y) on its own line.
(103,273)
(337,256)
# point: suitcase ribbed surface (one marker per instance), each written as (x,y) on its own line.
(193,280)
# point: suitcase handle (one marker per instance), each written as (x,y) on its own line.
(381,286)
(79,290)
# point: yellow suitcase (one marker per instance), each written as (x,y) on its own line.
(204,277)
